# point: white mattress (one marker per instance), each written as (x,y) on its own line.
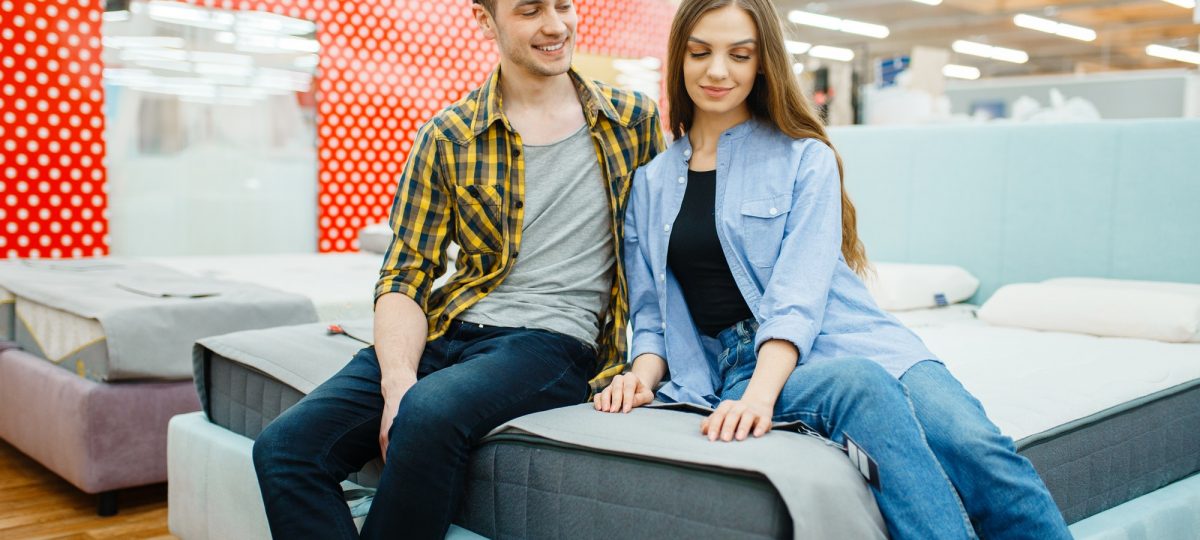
(939,316)
(1031,381)
(341,285)
(212,491)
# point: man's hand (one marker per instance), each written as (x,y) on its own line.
(623,394)
(393,391)
(737,419)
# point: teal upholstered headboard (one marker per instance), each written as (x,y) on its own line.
(1014,203)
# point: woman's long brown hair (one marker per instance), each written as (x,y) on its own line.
(775,98)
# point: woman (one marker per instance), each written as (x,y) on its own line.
(754,306)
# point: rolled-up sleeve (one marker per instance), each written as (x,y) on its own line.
(644,313)
(420,220)
(794,299)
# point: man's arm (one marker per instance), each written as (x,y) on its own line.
(420,223)
(400,332)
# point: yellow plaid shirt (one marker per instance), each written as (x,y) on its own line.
(465,181)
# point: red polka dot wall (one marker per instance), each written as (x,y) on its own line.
(385,67)
(52,199)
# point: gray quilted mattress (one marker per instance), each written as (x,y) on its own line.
(526,487)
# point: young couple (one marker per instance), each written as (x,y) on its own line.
(735,248)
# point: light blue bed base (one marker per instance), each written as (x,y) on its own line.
(1169,513)
(1021,203)
(1018,203)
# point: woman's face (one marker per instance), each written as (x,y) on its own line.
(721,61)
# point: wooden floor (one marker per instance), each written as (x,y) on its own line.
(37,504)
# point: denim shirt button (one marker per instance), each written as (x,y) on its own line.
(662,277)
(773,211)
(682,180)
(664,325)
(687,152)
(667,228)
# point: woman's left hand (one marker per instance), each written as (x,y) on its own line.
(737,419)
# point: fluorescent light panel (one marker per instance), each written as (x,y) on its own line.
(960,72)
(989,51)
(142,42)
(1054,27)
(1182,3)
(842,25)
(929,2)
(832,53)
(1171,53)
(797,47)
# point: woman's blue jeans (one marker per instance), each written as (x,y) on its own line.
(945,470)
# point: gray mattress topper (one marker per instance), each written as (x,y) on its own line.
(301,356)
(825,495)
(151,315)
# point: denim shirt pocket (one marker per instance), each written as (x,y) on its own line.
(763,223)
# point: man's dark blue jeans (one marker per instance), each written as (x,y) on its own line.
(470,380)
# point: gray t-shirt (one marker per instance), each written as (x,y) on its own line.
(562,279)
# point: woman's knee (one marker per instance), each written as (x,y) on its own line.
(855,377)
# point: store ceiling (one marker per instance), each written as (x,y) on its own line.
(1124,28)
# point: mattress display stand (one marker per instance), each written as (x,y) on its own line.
(100,437)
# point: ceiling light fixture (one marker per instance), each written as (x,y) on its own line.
(1054,27)
(989,51)
(832,53)
(842,25)
(1171,53)
(960,72)
(797,47)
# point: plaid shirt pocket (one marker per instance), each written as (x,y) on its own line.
(480,217)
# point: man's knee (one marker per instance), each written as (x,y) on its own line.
(427,415)
(269,448)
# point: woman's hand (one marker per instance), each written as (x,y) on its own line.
(737,419)
(623,394)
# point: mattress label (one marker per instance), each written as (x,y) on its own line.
(862,461)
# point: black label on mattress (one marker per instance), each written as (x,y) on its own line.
(862,461)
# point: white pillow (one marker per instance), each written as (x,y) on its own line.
(1162,286)
(900,287)
(375,238)
(1099,309)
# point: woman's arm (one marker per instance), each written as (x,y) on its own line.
(649,343)
(635,388)
(796,296)
(644,314)
(738,418)
(793,304)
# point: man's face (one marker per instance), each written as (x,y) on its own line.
(537,36)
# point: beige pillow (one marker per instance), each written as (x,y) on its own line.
(1100,309)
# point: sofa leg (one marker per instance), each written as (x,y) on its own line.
(106,504)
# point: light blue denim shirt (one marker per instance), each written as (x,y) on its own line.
(779,221)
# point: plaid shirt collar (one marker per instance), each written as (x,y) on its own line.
(489,105)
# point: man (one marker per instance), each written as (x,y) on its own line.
(528,175)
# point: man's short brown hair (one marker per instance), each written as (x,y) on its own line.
(489,5)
